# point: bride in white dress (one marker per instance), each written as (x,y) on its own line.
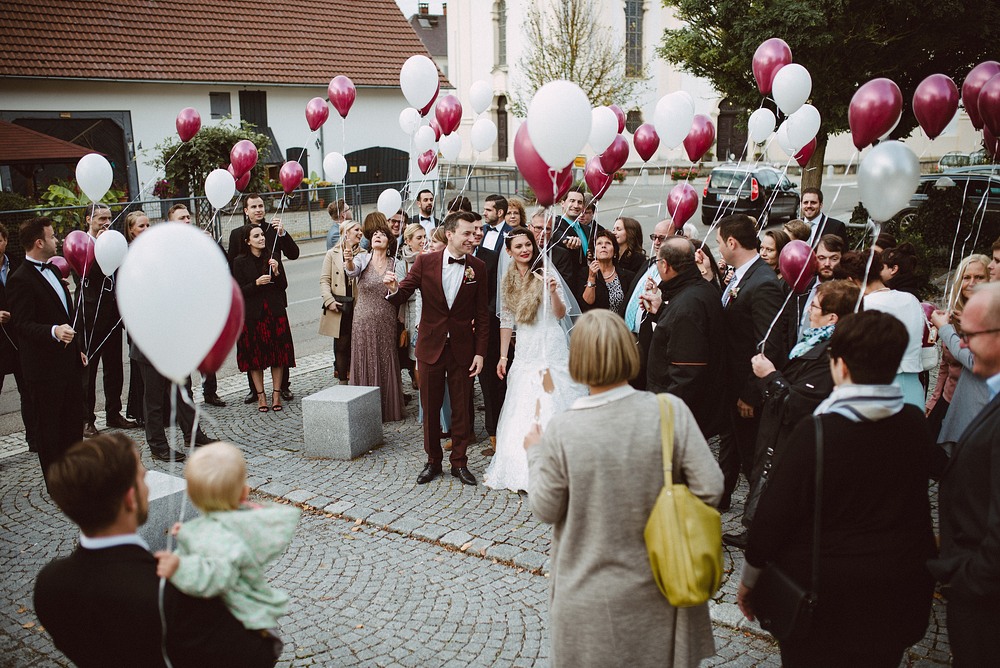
(538,383)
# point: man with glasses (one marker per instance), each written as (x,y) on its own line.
(541,227)
(637,319)
(828,252)
(340,211)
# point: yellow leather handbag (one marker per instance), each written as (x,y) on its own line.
(683,534)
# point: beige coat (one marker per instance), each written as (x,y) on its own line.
(595,476)
(333,281)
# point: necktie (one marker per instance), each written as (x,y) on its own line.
(453,260)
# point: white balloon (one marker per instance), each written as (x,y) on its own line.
(389,202)
(761,125)
(419,80)
(887,178)
(409,120)
(781,136)
(450,146)
(803,126)
(424,139)
(335,167)
(94,176)
(481,96)
(109,251)
(174,292)
(484,133)
(559,122)
(673,117)
(219,187)
(603,129)
(791,87)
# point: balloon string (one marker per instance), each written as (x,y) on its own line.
(87,340)
(663,189)
(868,266)
(777,316)
(98,348)
(954,241)
(634,183)
(468,176)
(144,187)
(774,195)
(274,247)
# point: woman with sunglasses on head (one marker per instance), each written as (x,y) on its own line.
(606,283)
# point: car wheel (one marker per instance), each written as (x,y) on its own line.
(906,219)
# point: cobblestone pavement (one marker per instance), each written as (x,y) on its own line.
(382,571)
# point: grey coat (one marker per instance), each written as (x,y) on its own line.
(971,392)
(595,476)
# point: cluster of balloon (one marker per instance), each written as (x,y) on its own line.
(672,118)
(230,332)
(790,85)
(316,113)
(342,93)
(887,178)
(935,102)
(874,111)
(220,186)
(420,83)
(291,175)
(389,202)
(188,123)
(646,141)
(94,176)
(171,272)
(699,138)
(78,249)
(335,167)
(682,202)
(536,172)
(427,161)
(798,265)
(972,88)
(598,181)
(109,251)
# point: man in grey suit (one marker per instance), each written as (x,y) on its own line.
(969,563)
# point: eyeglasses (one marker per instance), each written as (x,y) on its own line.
(816,306)
(968,336)
(657,237)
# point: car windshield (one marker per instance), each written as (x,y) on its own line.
(729,180)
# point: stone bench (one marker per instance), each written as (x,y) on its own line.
(342,422)
(166,493)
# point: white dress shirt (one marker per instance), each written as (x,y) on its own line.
(113,541)
(50,276)
(737,277)
(452,274)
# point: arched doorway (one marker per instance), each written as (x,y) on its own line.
(732,138)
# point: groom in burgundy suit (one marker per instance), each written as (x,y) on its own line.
(453,337)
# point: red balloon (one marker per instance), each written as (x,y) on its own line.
(78,249)
(241,181)
(770,56)
(621,117)
(291,175)
(564,181)
(227,338)
(614,156)
(646,141)
(188,123)
(682,202)
(437,129)
(934,103)
(341,92)
(61,264)
(423,111)
(989,105)
(700,138)
(974,83)
(874,109)
(597,179)
(427,161)
(448,114)
(316,113)
(798,265)
(806,152)
(991,144)
(243,156)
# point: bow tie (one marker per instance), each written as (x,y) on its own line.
(46,265)
(423,218)
(488,228)
(452,260)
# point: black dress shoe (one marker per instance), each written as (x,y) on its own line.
(287,395)
(429,473)
(203,439)
(251,398)
(214,400)
(90,430)
(465,475)
(118,422)
(737,540)
(164,455)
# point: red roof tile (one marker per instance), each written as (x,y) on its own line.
(21,146)
(292,42)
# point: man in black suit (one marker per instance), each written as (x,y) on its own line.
(495,226)
(575,235)
(101,604)
(638,320)
(10,359)
(494,390)
(51,359)
(819,222)
(969,563)
(541,227)
(750,301)
(425,206)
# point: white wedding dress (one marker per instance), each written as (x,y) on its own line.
(541,345)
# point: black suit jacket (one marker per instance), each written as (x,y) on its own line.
(35,308)
(101,609)
(9,359)
(492,261)
(286,245)
(577,258)
(827,225)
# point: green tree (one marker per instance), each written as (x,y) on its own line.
(843,44)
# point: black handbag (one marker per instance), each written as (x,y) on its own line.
(782,606)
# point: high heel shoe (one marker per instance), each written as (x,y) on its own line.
(276,401)
(262,402)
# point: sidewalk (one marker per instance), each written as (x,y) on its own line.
(382,571)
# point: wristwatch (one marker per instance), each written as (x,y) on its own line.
(591,284)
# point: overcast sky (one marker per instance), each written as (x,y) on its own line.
(409,7)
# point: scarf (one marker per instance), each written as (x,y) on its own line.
(810,338)
(863,403)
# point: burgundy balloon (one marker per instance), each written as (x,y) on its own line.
(935,102)
(241,181)
(770,56)
(989,105)
(78,249)
(682,202)
(798,265)
(448,114)
(646,141)
(974,82)
(597,179)
(316,113)
(61,264)
(342,93)
(564,181)
(437,129)
(621,117)
(991,144)
(928,309)
(874,109)
(614,156)
(188,123)
(291,175)
(806,152)
(243,156)
(699,138)
(227,338)
(426,161)
(423,111)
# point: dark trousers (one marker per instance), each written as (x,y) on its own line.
(27,408)
(110,357)
(342,346)
(136,391)
(56,416)
(156,405)
(736,448)
(972,633)
(209,384)
(494,390)
(432,383)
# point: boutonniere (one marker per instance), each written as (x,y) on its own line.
(470,275)
(734,293)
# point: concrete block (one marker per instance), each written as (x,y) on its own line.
(166,494)
(342,422)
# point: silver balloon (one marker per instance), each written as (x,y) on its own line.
(887,178)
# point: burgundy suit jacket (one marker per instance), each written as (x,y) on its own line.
(466,324)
